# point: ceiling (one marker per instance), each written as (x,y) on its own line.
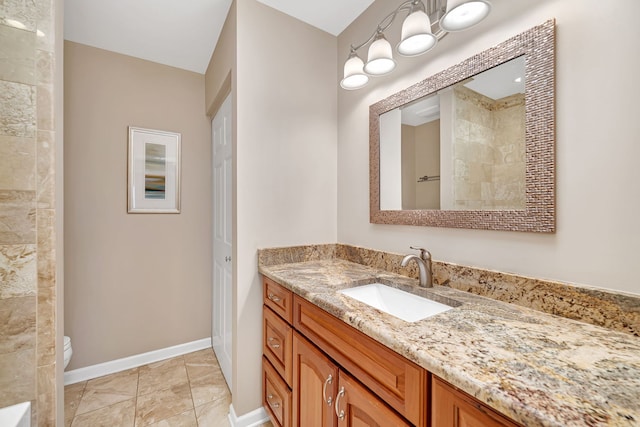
(183,34)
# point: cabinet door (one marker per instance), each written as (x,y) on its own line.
(452,408)
(315,384)
(356,406)
(276,396)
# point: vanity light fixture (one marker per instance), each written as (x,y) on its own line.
(417,36)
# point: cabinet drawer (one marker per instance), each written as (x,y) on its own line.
(277,339)
(276,396)
(278,298)
(398,381)
(453,408)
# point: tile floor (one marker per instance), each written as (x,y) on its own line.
(185,391)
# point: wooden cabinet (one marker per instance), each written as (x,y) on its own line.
(452,408)
(277,350)
(277,344)
(357,406)
(315,385)
(278,298)
(325,396)
(320,372)
(397,381)
(276,396)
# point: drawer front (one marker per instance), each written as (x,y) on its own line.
(277,339)
(276,396)
(278,298)
(398,381)
(453,408)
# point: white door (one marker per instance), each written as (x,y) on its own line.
(222,238)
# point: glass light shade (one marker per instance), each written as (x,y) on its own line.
(417,37)
(354,76)
(463,14)
(380,59)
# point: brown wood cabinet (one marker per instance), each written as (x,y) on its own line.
(320,372)
(396,380)
(315,385)
(326,396)
(453,408)
(357,406)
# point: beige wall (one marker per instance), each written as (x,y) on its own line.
(596,242)
(133,282)
(220,78)
(28,139)
(285,163)
(408,144)
(427,163)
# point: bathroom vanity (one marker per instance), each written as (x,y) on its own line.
(330,360)
(319,371)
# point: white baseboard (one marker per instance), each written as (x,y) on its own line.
(125,363)
(252,419)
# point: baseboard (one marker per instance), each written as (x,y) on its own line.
(125,363)
(252,419)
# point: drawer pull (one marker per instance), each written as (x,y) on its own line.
(274,298)
(275,345)
(339,412)
(329,380)
(274,404)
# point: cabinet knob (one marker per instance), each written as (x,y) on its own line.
(328,381)
(273,404)
(274,345)
(339,412)
(274,298)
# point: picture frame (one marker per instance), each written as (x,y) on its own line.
(154,171)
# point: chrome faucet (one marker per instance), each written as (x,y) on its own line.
(424,266)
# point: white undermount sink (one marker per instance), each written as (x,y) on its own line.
(396,302)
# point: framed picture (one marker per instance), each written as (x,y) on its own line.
(154,171)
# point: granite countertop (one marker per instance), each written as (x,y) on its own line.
(536,368)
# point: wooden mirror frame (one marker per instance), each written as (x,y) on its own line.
(538,47)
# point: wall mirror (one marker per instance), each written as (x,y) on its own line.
(471,146)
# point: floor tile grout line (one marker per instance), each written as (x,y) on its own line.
(198,362)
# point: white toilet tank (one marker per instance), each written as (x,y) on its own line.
(67,351)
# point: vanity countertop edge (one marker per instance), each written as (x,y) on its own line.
(535,368)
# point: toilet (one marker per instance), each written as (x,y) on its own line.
(67,351)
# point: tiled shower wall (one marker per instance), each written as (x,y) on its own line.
(27,209)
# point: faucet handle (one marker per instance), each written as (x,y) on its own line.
(424,254)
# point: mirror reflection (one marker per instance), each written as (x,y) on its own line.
(461,148)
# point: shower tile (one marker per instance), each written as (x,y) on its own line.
(19,10)
(17,51)
(44,67)
(163,404)
(45,170)
(46,338)
(17,163)
(17,109)
(119,414)
(17,324)
(17,217)
(46,248)
(17,377)
(45,107)
(17,271)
